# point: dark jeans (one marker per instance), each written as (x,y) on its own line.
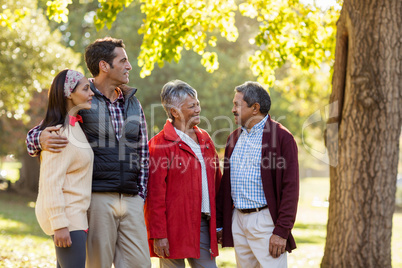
(73,256)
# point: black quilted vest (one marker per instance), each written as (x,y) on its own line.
(116,162)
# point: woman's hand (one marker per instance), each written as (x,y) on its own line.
(62,238)
(161,247)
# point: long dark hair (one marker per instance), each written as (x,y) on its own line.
(57,106)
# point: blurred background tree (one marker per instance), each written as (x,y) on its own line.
(31,54)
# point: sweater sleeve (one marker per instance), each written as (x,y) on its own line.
(53,171)
(289,191)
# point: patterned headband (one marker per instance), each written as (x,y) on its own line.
(72,79)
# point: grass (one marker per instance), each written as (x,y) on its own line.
(23,244)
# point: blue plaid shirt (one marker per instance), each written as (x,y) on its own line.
(116,110)
(245,169)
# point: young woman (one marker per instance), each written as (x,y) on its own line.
(66,177)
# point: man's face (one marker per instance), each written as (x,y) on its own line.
(242,113)
(121,67)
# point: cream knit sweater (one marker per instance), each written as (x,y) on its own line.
(65,184)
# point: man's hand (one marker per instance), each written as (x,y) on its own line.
(51,140)
(219,236)
(277,245)
(161,247)
(62,238)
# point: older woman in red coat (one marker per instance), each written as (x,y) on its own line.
(184,177)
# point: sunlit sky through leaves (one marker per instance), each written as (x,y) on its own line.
(323,4)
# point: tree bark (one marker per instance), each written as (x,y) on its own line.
(28,182)
(363,134)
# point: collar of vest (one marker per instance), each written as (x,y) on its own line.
(128,92)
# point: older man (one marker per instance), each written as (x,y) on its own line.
(183,177)
(260,181)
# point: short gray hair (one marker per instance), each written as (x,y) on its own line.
(253,92)
(173,94)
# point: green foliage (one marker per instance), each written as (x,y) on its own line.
(301,92)
(290,31)
(215,90)
(57,10)
(296,94)
(30,56)
(108,10)
(11,19)
(210,61)
(171,26)
(12,14)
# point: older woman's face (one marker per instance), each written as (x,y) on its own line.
(189,112)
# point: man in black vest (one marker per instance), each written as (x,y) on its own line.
(116,129)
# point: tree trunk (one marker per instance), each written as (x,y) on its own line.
(363,135)
(28,182)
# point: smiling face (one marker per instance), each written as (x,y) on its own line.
(189,113)
(119,70)
(81,97)
(242,113)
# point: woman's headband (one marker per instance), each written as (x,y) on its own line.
(72,79)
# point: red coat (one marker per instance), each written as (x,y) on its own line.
(173,204)
(280,181)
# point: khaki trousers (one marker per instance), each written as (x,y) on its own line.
(251,234)
(117,232)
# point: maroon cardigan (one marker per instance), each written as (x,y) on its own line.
(280,180)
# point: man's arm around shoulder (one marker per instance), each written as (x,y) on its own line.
(48,139)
